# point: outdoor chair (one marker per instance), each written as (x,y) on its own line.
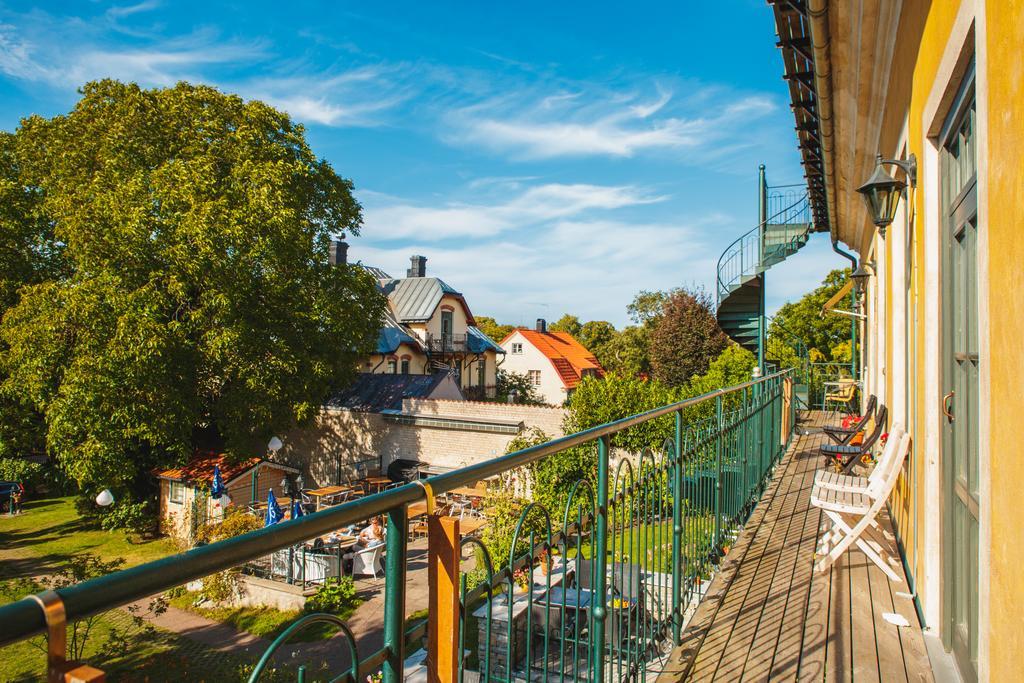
(841,396)
(846,456)
(367,562)
(852,514)
(840,434)
(830,479)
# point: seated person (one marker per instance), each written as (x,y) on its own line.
(372,535)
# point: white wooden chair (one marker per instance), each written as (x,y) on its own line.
(852,513)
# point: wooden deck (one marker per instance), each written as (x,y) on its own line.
(769,616)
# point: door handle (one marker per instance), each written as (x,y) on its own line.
(945,406)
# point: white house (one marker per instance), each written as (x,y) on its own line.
(554,361)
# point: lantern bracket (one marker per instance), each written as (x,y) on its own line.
(908,165)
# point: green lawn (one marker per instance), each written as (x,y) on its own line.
(265,622)
(41,538)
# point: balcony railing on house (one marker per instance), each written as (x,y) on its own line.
(446,343)
(597,590)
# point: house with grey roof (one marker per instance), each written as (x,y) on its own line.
(429,329)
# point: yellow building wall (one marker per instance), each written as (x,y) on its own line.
(1004,40)
(1000,201)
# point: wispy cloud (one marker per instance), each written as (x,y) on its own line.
(60,61)
(591,268)
(591,121)
(537,204)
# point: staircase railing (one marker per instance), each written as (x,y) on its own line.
(607,575)
(746,254)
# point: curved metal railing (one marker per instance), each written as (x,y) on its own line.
(745,256)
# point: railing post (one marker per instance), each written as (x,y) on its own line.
(394,595)
(677,532)
(718,471)
(601,559)
(443,553)
(743,449)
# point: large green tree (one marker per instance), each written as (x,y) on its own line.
(196,293)
(826,337)
(686,337)
(567,323)
(29,254)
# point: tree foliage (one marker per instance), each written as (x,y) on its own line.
(193,289)
(518,386)
(493,329)
(567,323)
(686,337)
(827,338)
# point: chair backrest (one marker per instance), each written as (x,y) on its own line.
(884,461)
(880,489)
(627,580)
(873,435)
(869,407)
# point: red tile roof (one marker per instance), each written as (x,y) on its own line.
(200,468)
(569,358)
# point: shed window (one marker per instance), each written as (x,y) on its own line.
(177,492)
(405,366)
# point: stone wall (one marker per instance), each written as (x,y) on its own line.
(338,441)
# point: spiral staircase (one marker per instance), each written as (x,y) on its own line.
(784,229)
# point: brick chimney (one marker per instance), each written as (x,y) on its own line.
(418,267)
(338,255)
(542,325)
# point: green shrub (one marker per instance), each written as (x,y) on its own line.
(336,596)
(134,518)
(30,474)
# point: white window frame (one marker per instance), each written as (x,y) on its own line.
(181,492)
(534,377)
(517,348)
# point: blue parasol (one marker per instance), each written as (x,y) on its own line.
(274,512)
(217,490)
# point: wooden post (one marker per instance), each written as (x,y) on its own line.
(443,555)
(787,403)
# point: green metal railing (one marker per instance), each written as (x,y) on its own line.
(609,579)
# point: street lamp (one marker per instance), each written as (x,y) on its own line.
(105,498)
(274,445)
(882,191)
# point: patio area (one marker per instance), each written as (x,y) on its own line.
(769,616)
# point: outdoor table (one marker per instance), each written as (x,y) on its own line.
(467,491)
(327,492)
(417,509)
(377,482)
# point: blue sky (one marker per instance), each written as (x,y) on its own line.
(545,157)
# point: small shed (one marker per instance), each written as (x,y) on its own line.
(185,503)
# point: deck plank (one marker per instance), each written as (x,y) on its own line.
(786,660)
(766,642)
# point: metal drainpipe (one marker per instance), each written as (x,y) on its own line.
(817,14)
(853,320)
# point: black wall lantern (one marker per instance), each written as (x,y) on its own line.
(882,191)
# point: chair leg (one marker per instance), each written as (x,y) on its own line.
(852,536)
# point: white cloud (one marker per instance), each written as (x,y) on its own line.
(591,268)
(537,204)
(63,62)
(592,122)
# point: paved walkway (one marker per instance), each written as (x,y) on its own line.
(367,624)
